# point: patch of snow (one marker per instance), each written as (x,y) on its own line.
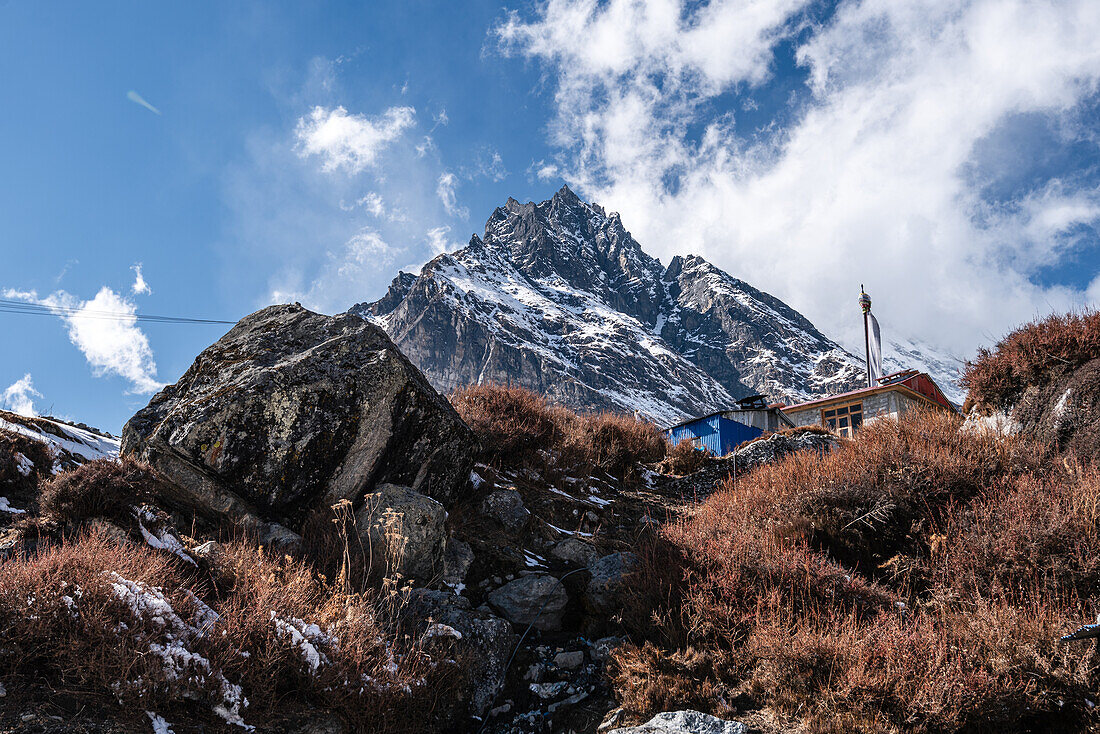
(1060,406)
(476,480)
(6,507)
(160,726)
(24,465)
(306,637)
(437,629)
(165,541)
(999,422)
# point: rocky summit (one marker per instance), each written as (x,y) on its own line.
(559,297)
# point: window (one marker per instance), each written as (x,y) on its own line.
(843,419)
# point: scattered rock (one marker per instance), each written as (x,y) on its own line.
(547,691)
(538,600)
(603,648)
(457,557)
(506,507)
(569,660)
(489,639)
(292,411)
(607,577)
(685,722)
(404,530)
(575,551)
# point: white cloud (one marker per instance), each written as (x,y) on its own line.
(372,202)
(140,287)
(105,330)
(445,189)
(19,396)
(348,141)
(872,180)
(343,279)
(439,240)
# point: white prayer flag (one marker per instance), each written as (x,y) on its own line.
(874,346)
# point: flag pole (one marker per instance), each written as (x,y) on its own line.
(865,304)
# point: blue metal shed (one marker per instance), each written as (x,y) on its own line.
(715,433)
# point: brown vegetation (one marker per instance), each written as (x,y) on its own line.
(517,425)
(101,488)
(134,623)
(14,475)
(914,579)
(1030,356)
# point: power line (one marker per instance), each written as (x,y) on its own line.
(38,309)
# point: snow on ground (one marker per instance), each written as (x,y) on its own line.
(79,443)
(6,507)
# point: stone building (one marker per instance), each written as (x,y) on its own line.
(893,396)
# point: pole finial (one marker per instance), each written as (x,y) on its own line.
(864,300)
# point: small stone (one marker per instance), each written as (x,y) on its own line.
(569,660)
(535,673)
(27,717)
(604,647)
(548,690)
(536,600)
(506,507)
(501,709)
(567,702)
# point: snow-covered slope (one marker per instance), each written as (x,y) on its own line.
(945,368)
(72,445)
(560,298)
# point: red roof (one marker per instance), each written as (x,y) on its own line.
(918,382)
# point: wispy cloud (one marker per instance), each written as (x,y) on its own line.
(439,240)
(139,100)
(105,330)
(871,176)
(347,271)
(348,141)
(140,287)
(446,191)
(19,396)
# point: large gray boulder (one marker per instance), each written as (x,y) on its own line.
(405,530)
(537,600)
(292,411)
(685,722)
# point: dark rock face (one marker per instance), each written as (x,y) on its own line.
(559,297)
(292,411)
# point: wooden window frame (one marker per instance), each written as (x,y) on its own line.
(843,420)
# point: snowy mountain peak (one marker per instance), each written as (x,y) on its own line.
(559,297)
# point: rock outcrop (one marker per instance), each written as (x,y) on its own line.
(292,411)
(685,722)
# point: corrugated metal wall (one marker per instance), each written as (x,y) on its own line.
(716,434)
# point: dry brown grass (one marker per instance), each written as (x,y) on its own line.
(281,634)
(13,478)
(914,579)
(683,458)
(1029,356)
(101,488)
(516,425)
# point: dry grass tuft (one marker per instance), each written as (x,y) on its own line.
(101,488)
(15,476)
(516,425)
(683,458)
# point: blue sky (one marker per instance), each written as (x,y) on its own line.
(945,153)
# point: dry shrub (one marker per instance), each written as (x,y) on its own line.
(914,579)
(517,425)
(1031,355)
(512,423)
(683,458)
(133,623)
(15,476)
(100,488)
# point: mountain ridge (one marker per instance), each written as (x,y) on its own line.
(559,297)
